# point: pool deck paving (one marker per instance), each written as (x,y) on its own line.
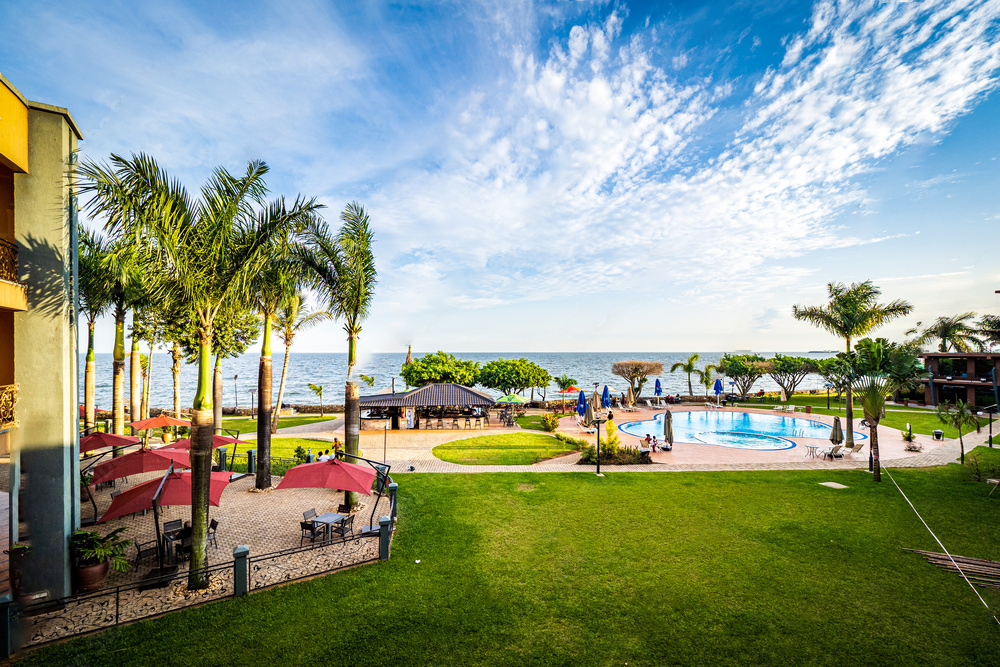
(404,449)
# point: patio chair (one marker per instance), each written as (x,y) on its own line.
(346,526)
(309,515)
(213,526)
(183,550)
(833,453)
(172,526)
(858,446)
(145,549)
(310,531)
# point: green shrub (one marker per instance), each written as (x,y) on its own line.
(300,454)
(579,443)
(550,423)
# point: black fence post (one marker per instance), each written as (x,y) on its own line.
(252,461)
(392,500)
(9,629)
(241,578)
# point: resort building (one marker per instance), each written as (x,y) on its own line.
(971,377)
(38,355)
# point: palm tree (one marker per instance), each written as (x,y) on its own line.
(878,369)
(852,312)
(958,332)
(200,254)
(343,272)
(122,269)
(689,368)
(958,416)
(294,317)
(95,299)
(564,382)
(318,390)
(705,376)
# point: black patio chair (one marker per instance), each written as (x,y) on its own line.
(346,526)
(145,549)
(309,515)
(212,528)
(310,531)
(172,526)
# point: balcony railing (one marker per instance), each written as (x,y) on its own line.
(8,261)
(8,397)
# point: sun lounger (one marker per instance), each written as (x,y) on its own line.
(583,427)
(858,446)
(834,453)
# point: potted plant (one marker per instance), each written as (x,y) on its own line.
(94,556)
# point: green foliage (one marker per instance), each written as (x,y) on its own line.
(507,449)
(564,382)
(91,548)
(689,368)
(743,369)
(636,373)
(300,454)
(959,416)
(367,379)
(989,329)
(234,330)
(852,311)
(513,376)
(578,443)
(788,372)
(550,423)
(440,366)
(957,333)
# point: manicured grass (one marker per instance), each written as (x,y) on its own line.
(734,568)
(507,449)
(250,425)
(534,422)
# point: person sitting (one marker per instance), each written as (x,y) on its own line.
(322,456)
(648,440)
(328,457)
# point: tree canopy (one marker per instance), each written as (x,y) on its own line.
(636,373)
(788,372)
(440,367)
(513,376)
(957,332)
(743,369)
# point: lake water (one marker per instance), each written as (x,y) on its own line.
(330,371)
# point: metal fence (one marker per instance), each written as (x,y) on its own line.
(309,560)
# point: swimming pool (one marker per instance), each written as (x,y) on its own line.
(740,430)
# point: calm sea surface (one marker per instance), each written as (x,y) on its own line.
(330,371)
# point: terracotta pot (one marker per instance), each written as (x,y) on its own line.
(91,577)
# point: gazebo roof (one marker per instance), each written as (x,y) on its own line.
(429,396)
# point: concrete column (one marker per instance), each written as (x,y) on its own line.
(241,582)
(384,532)
(222,459)
(392,499)
(45,351)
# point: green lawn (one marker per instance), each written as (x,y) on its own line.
(250,425)
(534,422)
(734,568)
(507,449)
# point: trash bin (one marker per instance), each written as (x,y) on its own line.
(809,409)
(938,435)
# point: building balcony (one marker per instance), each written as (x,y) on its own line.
(13,295)
(8,397)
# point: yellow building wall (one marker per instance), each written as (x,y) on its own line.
(13,128)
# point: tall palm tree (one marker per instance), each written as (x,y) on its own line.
(205,251)
(274,286)
(343,271)
(95,299)
(961,417)
(878,369)
(958,332)
(850,313)
(122,268)
(294,317)
(705,376)
(689,368)
(564,382)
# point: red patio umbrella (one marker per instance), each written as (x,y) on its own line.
(571,390)
(162,421)
(176,491)
(332,474)
(98,440)
(217,441)
(143,460)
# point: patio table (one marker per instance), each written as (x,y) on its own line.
(811,450)
(329,519)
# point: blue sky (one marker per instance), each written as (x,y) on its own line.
(573,176)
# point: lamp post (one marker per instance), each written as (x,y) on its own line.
(252,392)
(236,393)
(599,421)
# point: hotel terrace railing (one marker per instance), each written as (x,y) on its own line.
(8,397)
(8,261)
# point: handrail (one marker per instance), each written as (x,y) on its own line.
(8,261)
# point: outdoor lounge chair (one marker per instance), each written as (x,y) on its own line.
(310,531)
(584,428)
(858,446)
(833,453)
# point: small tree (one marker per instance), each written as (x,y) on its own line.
(440,367)
(636,373)
(705,376)
(564,382)
(744,369)
(689,368)
(318,390)
(511,376)
(788,372)
(961,417)
(835,371)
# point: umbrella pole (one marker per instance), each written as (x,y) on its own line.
(159,540)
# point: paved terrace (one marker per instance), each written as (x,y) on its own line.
(414,448)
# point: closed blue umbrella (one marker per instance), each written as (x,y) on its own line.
(658,391)
(581,404)
(717,389)
(606,398)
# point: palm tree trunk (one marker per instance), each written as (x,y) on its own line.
(264,381)
(690,388)
(135,381)
(873,434)
(144,396)
(90,381)
(849,436)
(201,467)
(352,429)
(175,352)
(281,388)
(961,445)
(217,395)
(321,412)
(118,380)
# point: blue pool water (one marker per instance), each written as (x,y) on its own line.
(741,430)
